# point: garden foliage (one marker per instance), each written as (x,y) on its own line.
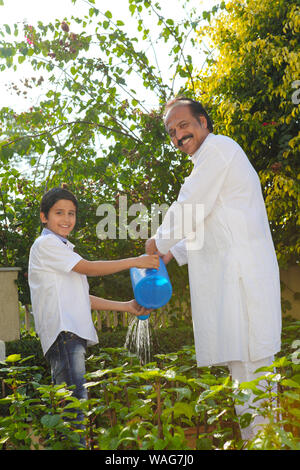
(151,406)
(252,85)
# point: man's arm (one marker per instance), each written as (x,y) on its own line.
(103,268)
(167,258)
(196,199)
(152,248)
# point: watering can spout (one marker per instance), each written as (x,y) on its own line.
(143,317)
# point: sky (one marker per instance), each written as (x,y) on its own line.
(30,11)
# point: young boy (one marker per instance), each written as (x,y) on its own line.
(61,303)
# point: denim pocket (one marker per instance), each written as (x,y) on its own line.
(68,336)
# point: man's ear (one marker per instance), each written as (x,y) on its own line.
(203,122)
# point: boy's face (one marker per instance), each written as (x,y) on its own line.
(61,217)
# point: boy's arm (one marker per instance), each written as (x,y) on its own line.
(97,303)
(103,268)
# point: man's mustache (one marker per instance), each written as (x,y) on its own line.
(180,141)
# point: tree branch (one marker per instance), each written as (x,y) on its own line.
(33,136)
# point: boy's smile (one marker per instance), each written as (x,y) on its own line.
(61,217)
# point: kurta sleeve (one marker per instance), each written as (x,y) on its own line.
(196,199)
(179,251)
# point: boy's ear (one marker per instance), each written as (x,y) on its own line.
(43,218)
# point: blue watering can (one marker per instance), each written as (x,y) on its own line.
(151,287)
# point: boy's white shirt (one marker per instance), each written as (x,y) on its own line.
(59,296)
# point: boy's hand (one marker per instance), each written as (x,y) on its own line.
(136,309)
(147,261)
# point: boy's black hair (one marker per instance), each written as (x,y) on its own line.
(195,106)
(54,195)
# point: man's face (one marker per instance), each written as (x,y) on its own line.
(187,133)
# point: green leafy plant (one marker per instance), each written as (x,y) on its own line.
(168,403)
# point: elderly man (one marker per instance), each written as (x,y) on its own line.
(233,272)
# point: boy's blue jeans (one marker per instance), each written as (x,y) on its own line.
(67,361)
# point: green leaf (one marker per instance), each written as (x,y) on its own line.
(204,443)
(160,444)
(50,421)
(185,409)
(13,358)
(245,420)
(183,392)
(3,401)
(21,59)
(21,434)
(281,362)
(292,382)
(288,439)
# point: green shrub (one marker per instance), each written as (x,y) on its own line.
(131,406)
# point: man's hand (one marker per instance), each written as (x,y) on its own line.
(167,258)
(151,247)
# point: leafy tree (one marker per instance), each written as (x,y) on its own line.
(250,84)
(93,130)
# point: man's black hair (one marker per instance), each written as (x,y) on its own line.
(196,109)
(54,195)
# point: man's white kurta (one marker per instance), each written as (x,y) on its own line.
(234,275)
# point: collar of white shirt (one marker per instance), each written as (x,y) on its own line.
(197,153)
(46,231)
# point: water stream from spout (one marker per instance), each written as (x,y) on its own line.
(138,339)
